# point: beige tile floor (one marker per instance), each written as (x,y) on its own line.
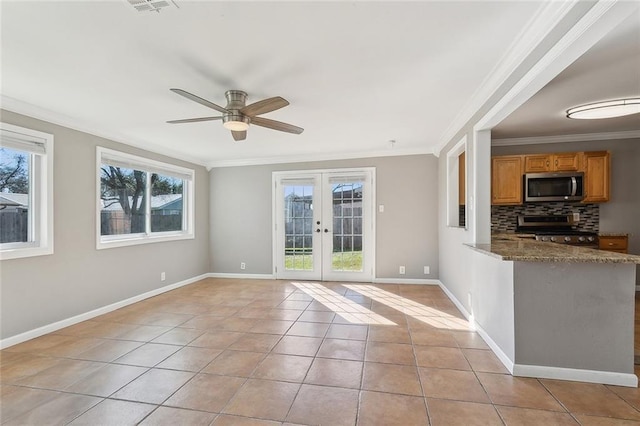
(242,352)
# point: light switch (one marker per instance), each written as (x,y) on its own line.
(381,208)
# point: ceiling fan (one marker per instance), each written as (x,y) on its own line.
(237,116)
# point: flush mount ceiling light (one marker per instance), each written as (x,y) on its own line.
(606,109)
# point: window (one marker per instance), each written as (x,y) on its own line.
(456,185)
(141,200)
(26,192)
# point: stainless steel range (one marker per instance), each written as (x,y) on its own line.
(558,229)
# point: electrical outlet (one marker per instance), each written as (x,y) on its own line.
(576,217)
(243,265)
(163,276)
(426,270)
(381,208)
(402,271)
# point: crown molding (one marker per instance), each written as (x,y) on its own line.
(545,20)
(585,137)
(33,111)
(587,31)
(305,158)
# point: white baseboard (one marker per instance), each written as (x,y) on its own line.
(405,281)
(241,276)
(49,328)
(504,359)
(456,302)
(543,372)
(590,376)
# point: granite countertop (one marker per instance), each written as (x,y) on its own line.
(613,234)
(523,249)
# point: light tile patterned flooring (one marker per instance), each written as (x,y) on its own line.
(242,352)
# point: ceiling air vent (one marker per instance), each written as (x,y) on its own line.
(151,5)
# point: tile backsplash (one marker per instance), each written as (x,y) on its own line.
(504,218)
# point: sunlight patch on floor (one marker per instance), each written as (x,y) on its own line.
(346,308)
(426,314)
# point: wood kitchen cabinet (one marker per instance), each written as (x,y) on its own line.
(617,243)
(597,171)
(506,179)
(563,162)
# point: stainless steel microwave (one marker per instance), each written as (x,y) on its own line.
(560,186)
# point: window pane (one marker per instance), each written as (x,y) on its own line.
(15,188)
(166,203)
(123,196)
(298,222)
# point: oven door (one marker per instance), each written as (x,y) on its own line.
(553,187)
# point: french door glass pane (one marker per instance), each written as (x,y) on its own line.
(347,226)
(298,227)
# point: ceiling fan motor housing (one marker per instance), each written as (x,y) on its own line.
(236,99)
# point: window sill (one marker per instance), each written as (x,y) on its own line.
(137,240)
(18,253)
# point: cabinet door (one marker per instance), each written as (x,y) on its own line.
(537,163)
(566,162)
(506,179)
(596,177)
(618,243)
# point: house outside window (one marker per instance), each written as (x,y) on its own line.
(141,200)
(26,192)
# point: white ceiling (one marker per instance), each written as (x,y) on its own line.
(609,70)
(357,74)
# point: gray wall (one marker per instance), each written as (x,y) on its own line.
(621,213)
(406,233)
(77,278)
(574,315)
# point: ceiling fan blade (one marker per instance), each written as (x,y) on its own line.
(199,100)
(194,120)
(276,125)
(264,106)
(239,135)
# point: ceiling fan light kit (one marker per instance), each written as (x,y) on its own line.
(235,122)
(606,109)
(237,116)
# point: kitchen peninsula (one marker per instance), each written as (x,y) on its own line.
(555,311)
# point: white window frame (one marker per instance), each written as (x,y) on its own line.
(40,147)
(150,166)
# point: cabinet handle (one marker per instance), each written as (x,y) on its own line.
(556,162)
(547,163)
(611,244)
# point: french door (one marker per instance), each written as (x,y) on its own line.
(324,225)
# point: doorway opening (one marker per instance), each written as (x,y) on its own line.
(324,225)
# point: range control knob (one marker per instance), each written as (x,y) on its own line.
(567,239)
(591,239)
(543,238)
(581,239)
(553,238)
